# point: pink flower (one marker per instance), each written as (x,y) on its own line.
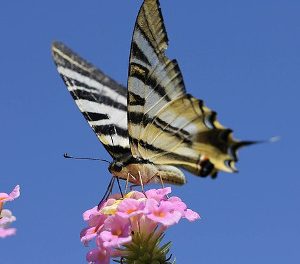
(181,207)
(162,212)
(191,215)
(88,234)
(130,207)
(117,232)
(135,195)
(98,256)
(177,204)
(133,225)
(6,217)
(146,226)
(158,194)
(4,197)
(88,213)
(5,232)
(95,221)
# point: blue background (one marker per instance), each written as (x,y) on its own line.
(241,57)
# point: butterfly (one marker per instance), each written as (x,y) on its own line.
(154,128)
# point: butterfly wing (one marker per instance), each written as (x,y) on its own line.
(166,125)
(153,79)
(101,100)
(186,133)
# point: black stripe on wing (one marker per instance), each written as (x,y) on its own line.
(138,118)
(96,97)
(142,73)
(95,116)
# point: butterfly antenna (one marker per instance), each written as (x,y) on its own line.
(67,156)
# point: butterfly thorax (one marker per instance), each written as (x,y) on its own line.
(136,171)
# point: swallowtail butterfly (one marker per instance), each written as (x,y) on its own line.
(154,126)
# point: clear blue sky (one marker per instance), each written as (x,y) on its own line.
(241,57)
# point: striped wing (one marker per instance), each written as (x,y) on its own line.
(101,100)
(186,133)
(154,80)
(166,125)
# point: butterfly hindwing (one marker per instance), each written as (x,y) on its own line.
(191,137)
(101,100)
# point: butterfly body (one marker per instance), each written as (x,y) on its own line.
(138,171)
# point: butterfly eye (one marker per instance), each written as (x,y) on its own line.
(117,166)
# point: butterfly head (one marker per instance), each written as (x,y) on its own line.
(115,167)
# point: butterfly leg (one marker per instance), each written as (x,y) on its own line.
(163,186)
(129,175)
(141,182)
(161,181)
(127,181)
(1,207)
(119,186)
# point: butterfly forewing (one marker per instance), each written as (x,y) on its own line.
(101,100)
(153,79)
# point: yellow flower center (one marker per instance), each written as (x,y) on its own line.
(110,209)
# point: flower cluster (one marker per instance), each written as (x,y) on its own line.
(132,227)
(6,217)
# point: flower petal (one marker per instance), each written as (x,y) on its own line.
(4,197)
(158,194)
(5,232)
(98,256)
(130,207)
(86,215)
(6,218)
(191,215)
(162,212)
(87,234)
(135,195)
(112,241)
